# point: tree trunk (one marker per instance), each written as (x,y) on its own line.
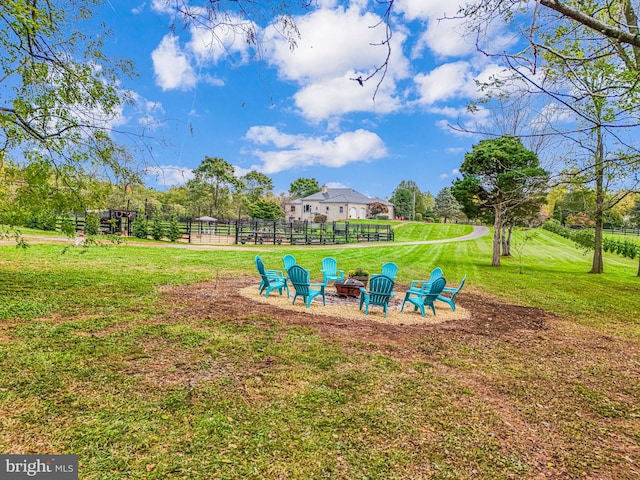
(639,267)
(597,266)
(506,241)
(497,229)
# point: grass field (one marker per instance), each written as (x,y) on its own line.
(103,359)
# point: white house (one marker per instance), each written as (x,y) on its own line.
(336,203)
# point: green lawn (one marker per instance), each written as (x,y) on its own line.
(98,363)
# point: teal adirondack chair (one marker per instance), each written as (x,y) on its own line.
(425,297)
(274,280)
(301,282)
(289,261)
(389,269)
(417,286)
(452,291)
(330,270)
(275,275)
(379,293)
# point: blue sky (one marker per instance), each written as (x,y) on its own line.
(292,114)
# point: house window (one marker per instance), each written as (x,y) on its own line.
(293,208)
(307,209)
(341,209)
(326,210)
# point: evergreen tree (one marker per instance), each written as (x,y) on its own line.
(446,206)
(157,228)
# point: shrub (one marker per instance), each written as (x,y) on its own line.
(173,231)
(44,220)
(140,228)
(157,229)
(585,239)
(320,219)
(418,217)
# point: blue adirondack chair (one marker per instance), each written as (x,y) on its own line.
(425,297)
(379,293)
(390,269)
(330,270)
(301,282)
(289,261)
(417,286)
(452,291)
(275,275)
(270,281)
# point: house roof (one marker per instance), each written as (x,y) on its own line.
(340,195)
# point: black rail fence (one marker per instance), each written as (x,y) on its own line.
(276,232)
(252,231)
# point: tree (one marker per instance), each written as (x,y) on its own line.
(303,187)
(376,208)
(446,206)
(418,200)
(267,209)
(215,178)
(157,228)
(174,232)
(498,176)
(402,200)
(429,205)
(257,185)
(59,90)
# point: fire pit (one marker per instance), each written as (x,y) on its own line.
(348,287)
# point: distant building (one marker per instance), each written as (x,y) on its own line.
(336,203)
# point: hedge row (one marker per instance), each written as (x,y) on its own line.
(585,239)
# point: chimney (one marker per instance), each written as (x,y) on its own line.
(324,188)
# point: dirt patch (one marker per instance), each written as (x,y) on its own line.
(476,313)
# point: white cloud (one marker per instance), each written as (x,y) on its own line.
(454,81)
(295,151)
(332,42)
(454,173)
(139,9)
(448,81)
(170,175)
(171,65)
(162,6)
(228,38)
(150,113)
(442,31)
(338,96)
(336,47)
